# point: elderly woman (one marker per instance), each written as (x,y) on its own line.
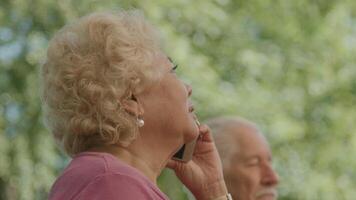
(113,101)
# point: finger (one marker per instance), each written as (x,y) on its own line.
(172,164)
(205,133)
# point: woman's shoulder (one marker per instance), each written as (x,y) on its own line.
(82,170)
(87,166)
(101,163)
(94,173)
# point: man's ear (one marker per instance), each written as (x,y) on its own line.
(132,106)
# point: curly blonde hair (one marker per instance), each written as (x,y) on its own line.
(91,66)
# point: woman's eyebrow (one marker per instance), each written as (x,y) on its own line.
(170,59)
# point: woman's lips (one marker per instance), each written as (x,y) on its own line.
(191,109)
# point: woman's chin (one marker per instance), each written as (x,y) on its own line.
(192,135)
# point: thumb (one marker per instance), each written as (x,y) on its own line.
(172,164)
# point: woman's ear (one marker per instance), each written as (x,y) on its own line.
(132,106)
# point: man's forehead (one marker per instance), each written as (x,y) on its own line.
(242,133)
(248,140)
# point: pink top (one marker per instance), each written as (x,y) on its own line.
(99,176)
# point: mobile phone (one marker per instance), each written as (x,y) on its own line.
(185,153)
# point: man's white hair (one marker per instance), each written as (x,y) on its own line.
(226,141)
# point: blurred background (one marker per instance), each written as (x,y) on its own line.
(287,65)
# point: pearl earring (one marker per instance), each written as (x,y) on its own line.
(140,122)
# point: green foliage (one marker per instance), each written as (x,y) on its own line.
(287,65)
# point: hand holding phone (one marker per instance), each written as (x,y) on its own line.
(204,171)
(185,153)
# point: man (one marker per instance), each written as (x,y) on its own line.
(246,159)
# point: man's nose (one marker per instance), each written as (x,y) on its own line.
(269,176)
